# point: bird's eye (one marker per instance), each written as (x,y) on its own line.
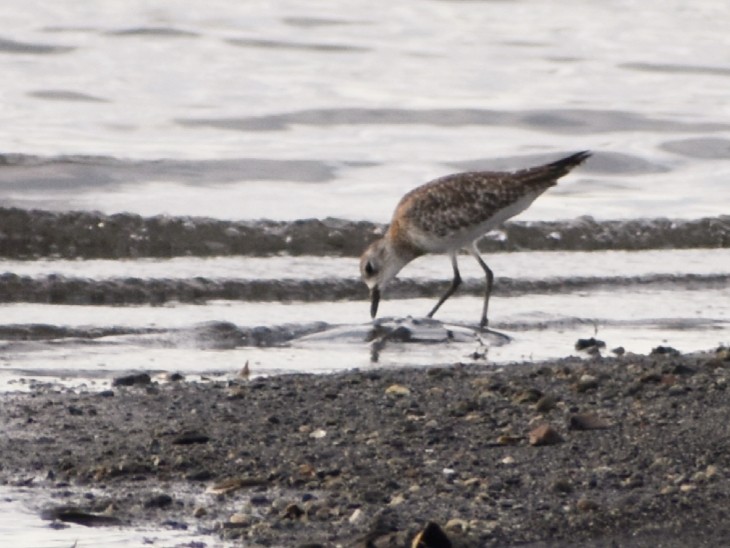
(369,268)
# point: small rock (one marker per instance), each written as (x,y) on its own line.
(619,350)
(682,369)
(676,390)
(544,435)
(190,437)
(176,525)
(74,515)
(506,439)
(587,344)
(357,517)
(664,351)
(651,377)
(586,505)
(397,500)
(397,390)
(233,484)
(586,382)
(293,511)
(199,475)
(723,353)
(587,421)
(457,524)
(240,520)
(200,512)
(318,434)
(563,486)
(138,379)
(158,501)
(432,536)
(545,404)
(530,395)
(259,500)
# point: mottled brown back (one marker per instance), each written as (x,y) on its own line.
(468,199)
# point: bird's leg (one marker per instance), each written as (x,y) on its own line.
(455,283)
(490,280)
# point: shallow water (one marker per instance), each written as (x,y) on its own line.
(289,111)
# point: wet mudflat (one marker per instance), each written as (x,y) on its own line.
(632,450)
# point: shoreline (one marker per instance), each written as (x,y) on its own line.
(637,452)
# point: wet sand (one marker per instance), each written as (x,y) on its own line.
(636,452)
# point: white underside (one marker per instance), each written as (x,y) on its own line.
(466,237)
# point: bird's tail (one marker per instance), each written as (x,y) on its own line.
(547,175)
(563,166)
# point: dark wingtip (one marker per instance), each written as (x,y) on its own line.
(574,159)
(564,165)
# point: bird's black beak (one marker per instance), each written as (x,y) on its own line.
(374,300)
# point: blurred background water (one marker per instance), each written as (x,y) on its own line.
(284,110)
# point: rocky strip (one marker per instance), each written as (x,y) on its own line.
(55,289)
(29,234)
(631,451)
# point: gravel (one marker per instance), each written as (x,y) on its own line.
(625,451)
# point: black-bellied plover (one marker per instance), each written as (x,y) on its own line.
(453,213)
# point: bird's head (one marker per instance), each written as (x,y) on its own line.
(378,265)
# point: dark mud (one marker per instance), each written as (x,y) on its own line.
(629,451)
(30,234)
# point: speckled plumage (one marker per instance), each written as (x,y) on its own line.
(451,213)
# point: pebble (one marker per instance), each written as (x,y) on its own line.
(544,435)
(240,520)
(233,484)
(506,439)
(397,500)
(158,501)
(357,517)
(457,524)
(397,390)
(432,536)
(530,395)
(189,438)
(587,421)
(588,344)
(138,379)
(260,500)
(586,382)
(676,390)
(586,505)
(293,511)
(545,404)
(563,486)
(664,351)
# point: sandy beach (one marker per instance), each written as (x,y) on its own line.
(600,451)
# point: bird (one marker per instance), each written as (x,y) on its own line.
(452,213)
